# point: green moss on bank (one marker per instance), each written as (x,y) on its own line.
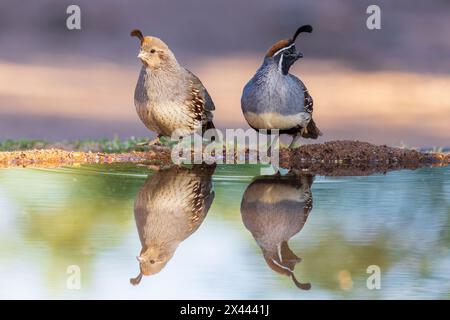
(114,145)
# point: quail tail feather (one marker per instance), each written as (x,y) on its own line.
(312,131)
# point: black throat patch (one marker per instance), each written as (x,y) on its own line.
(285,58)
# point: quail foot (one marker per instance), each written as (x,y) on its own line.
(274,99)
(169,99)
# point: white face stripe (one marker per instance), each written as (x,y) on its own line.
(279,252)
(282,49)
(280,64)
(281,266)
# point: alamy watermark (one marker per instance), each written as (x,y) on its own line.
(73,21)
(373,282)
(73,281)
(235,146)
(373,21)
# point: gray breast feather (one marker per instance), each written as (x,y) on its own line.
(169,102)
(140,93)
(270,91)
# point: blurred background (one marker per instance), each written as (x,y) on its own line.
(388,86)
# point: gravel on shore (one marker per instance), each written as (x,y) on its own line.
(329,158)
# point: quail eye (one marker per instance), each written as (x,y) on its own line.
(152,51)
(286,53)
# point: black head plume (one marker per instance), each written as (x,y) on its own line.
(300,285)
(137,280)
(137,33)
(305,28)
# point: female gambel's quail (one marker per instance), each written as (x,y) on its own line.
(274,209)
(276,99)
(169,207)
(169,97)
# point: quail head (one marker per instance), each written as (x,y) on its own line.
(275,99)
(274,209)
(169,98)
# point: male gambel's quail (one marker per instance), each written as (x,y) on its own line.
(169,97)
(276,99)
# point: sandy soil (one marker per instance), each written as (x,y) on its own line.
(51,158)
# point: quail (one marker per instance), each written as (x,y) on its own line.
(274,209)
(275,99)
(169,98)
(169,207)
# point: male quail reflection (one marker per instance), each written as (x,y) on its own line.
(276,99)
(169,207)
(168,97)
(274,209)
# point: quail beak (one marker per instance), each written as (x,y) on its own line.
(141,56)
(299,55)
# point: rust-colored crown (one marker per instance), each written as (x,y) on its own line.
(287,42)
(277,46)
(148,41)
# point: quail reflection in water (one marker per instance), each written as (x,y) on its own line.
(274,209)
(169,207)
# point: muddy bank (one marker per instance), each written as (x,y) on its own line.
(346,158)
(331,158)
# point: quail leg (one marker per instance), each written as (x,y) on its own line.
(272,143)
(294,141)
(151,143)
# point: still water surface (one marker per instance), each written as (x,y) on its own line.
(223,233)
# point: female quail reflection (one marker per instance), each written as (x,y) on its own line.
(169,207)
(274,209)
